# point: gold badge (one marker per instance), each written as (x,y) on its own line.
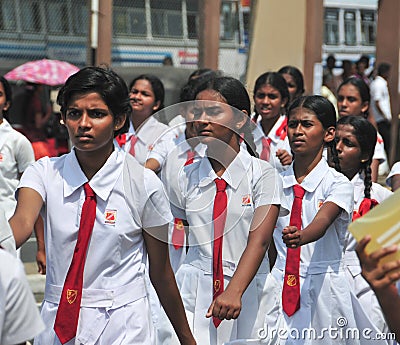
(217,285)
(179,225)
(291,280)
(71,296)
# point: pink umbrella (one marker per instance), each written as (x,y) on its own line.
(47,72)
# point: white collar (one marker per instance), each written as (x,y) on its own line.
(234,173)
(102,182)
(311,181)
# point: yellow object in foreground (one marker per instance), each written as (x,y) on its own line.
(382,223)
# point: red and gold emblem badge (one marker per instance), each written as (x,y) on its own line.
(71,296)
(217,285)
(291,280)
(179,224)
(110,216)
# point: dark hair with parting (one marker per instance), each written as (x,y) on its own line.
(276,80)
(236,96)
(109,85)
(361,86)
(156,85)
(326,114)
(297,76)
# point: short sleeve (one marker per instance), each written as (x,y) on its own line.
(24,155)
(156,209)
(341,193)
(267,189)
(34,177)
(160,151)
(22,319)
(394,171)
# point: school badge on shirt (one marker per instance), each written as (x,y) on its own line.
(110,217)
(1,157)
(320,203)
(246,200)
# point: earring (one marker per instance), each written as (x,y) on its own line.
(364,160)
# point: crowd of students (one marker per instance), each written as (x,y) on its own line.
(230,226)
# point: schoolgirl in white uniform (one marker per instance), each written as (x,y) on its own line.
(16,154)
(326,210)
(172,158)
(114,307)
(271,97)
(355,138)
(147,97)
(353,100)
(227,287)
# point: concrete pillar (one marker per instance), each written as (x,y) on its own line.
(103,53)
(209,13)
(285,32)
(388,50)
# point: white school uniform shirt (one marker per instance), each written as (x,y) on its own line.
(394,171)
(20,320)
(164,148)
(114,308)
(16,154)
(149,134)
(276,142)
(325,294)
(171,169)
(250,184)
(360,287)
(178,124)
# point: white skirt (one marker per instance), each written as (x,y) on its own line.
(363,291)
(329,313)
(196,290)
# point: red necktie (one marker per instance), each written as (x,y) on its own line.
(133,140)
(178,233)
(190,157)
(266,149)
(365,206)
(219,218)
(121,139)
(70,302)
(281,132)
(291,284)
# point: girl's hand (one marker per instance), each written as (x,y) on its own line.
(284,157)
(226,306)
(378,276)
(291,236)
(41,261)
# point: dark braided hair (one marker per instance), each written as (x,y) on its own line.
(326,114)
(366,136)
(236,96)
